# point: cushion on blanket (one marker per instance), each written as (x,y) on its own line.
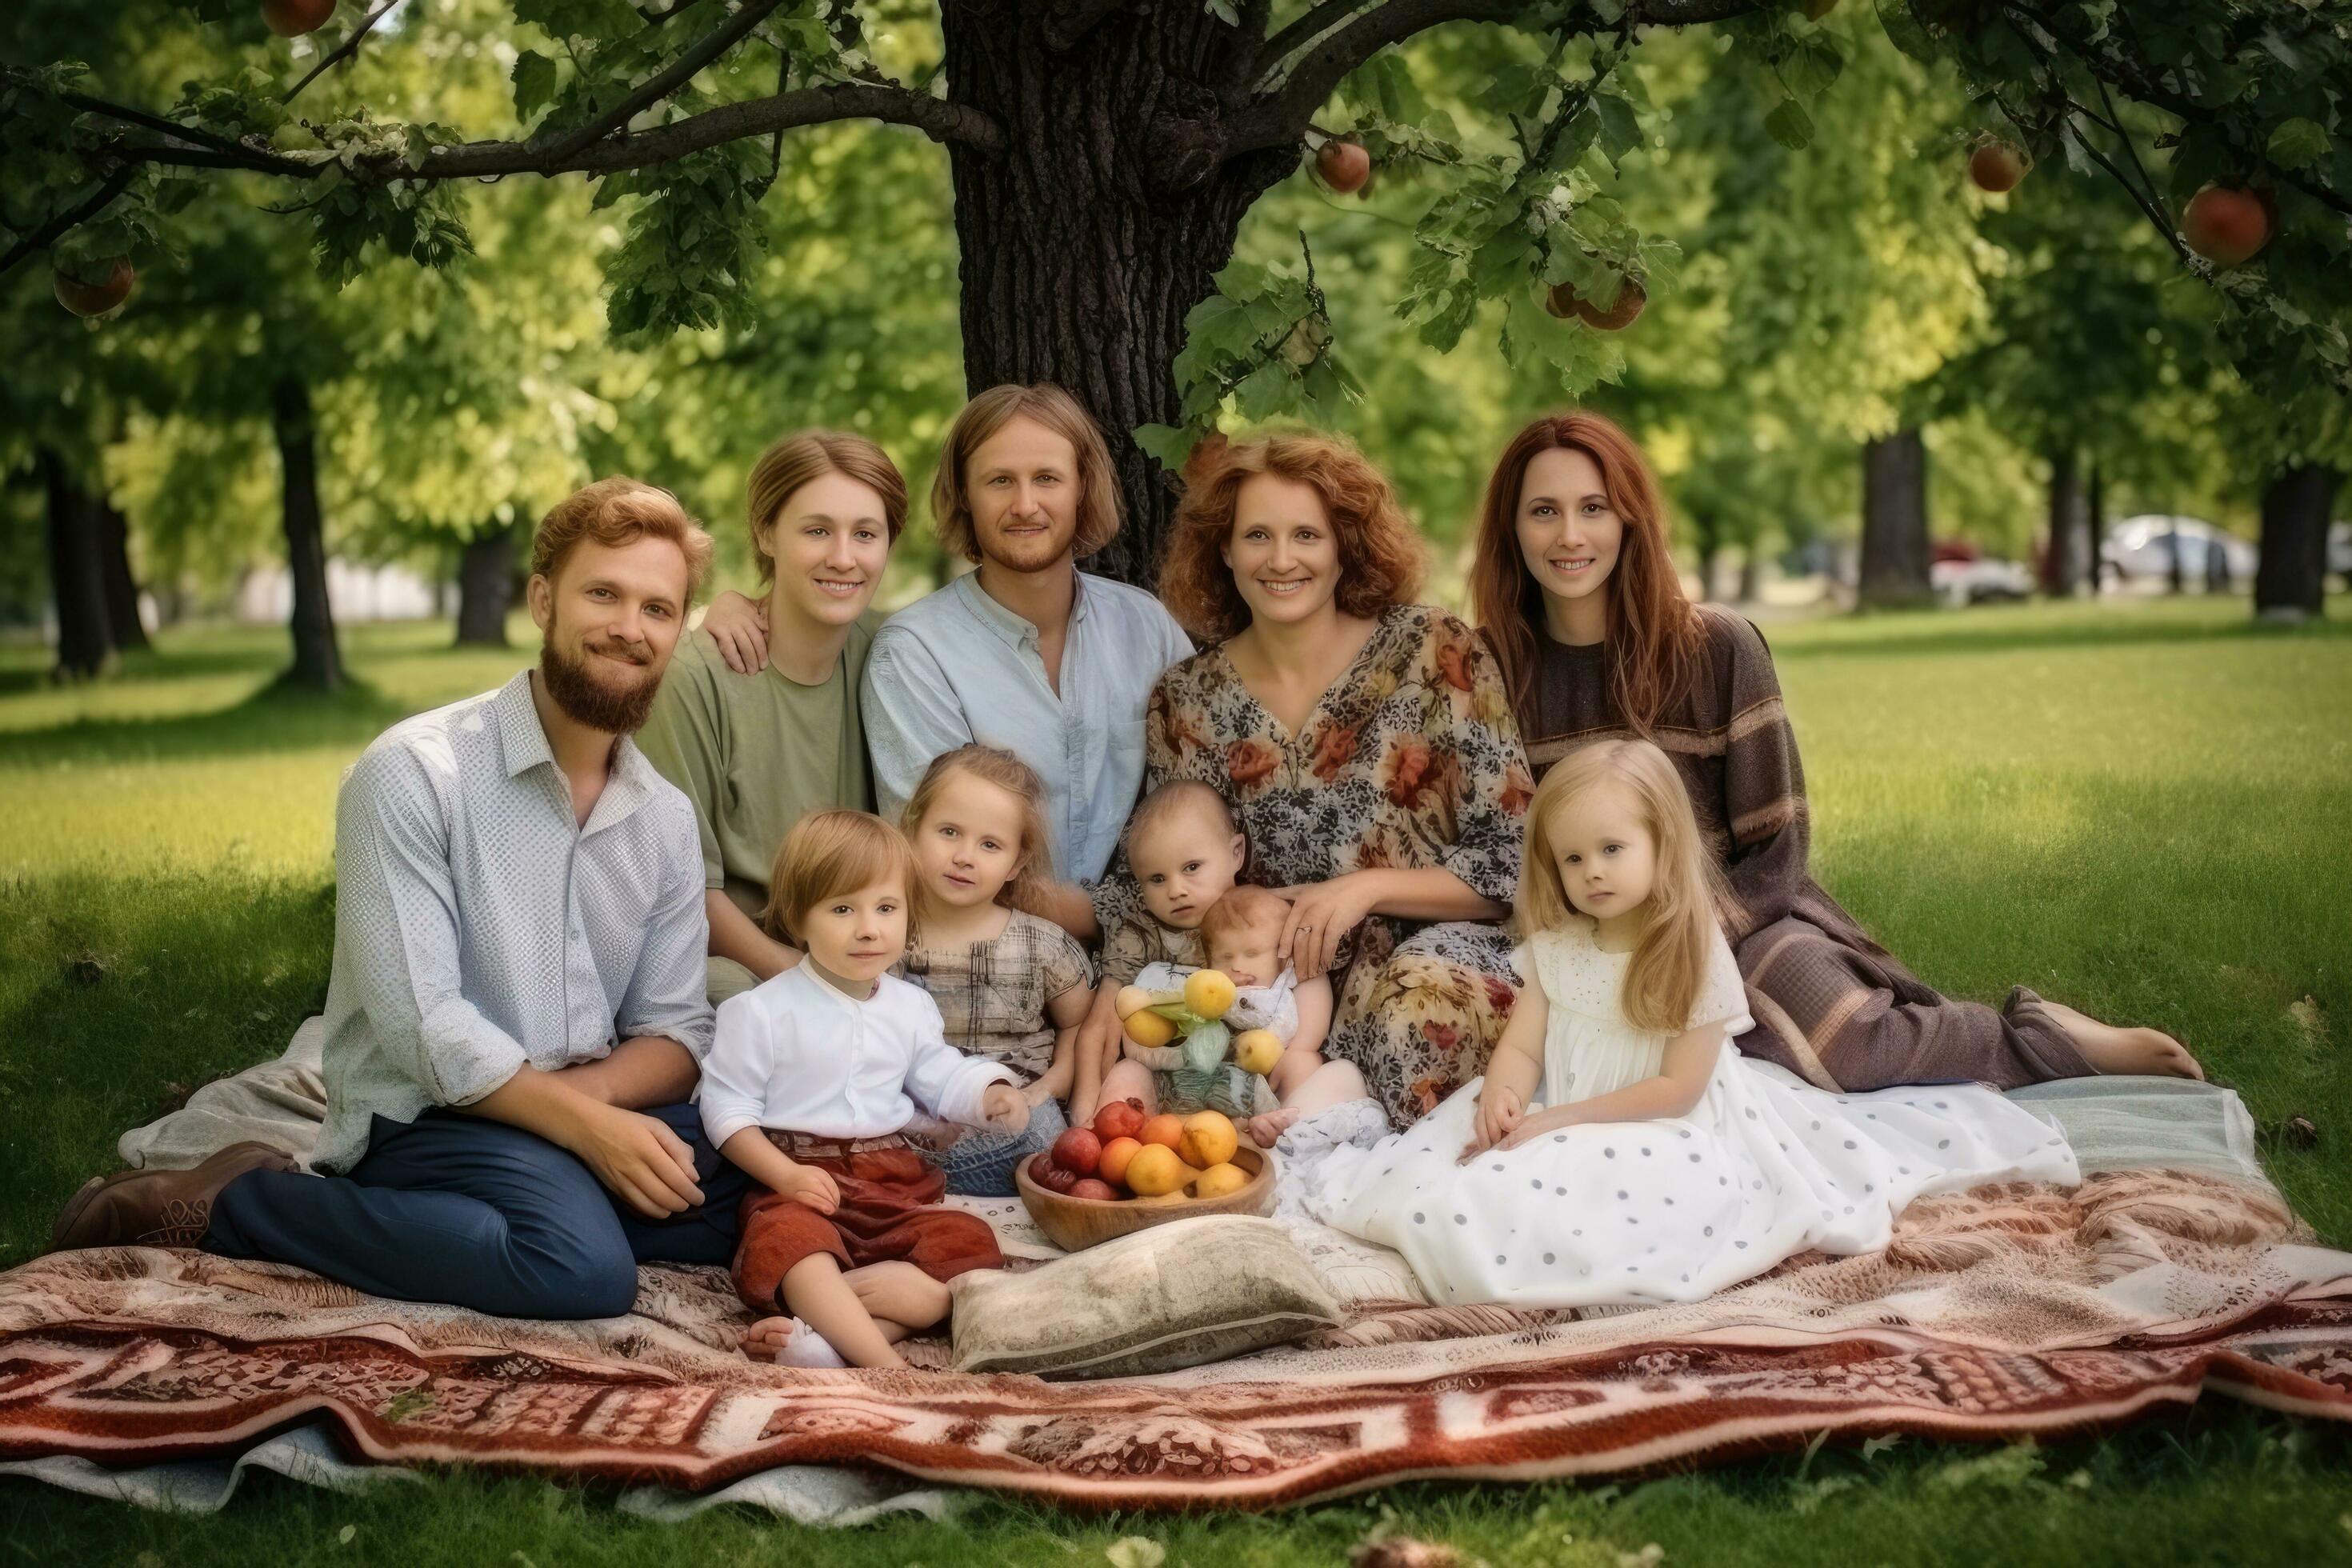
(1176,1295)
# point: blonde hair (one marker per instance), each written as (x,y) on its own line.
(827,854)
(1670,959)
(1171,798)
(793,460)
(1057,411)
(616,513)
(1243,909)
(1016,778)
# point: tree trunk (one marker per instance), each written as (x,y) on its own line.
(1087,241)
(114,562)
(1895,521)
(77,575)
(2069,526)
(2095,514)
(317,663)
(1751,573)
(2290,579)
(486,587)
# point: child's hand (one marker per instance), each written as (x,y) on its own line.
(1534,1127)
(1500,1112)
(809,1185)
(1005,1107)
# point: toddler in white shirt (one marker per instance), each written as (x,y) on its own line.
(808,1086)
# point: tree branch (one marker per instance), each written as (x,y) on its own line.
(668,80)
(243,156)
(47,235)
(343,50)
(1320,19)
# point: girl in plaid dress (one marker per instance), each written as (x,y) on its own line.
(1009,986)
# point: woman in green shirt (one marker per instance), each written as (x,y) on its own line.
(755,752)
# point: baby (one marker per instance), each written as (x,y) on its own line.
(1185,853)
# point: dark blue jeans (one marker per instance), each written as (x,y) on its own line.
(477,1213)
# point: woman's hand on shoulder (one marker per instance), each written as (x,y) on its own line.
(739,629)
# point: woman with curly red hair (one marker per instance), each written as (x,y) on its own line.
(1576,591)
(1368,751)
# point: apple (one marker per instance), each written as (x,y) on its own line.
(1117,1119)
(1343,165)
(1077,1151)
(1165,1129)
(94,296)
(1997,165)
(2227,225)
(1100,1192)
(1116,1155)
(292,18)
(1050,1176)
(1562,300)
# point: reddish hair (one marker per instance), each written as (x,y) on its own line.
(617,513)
(1654,630)
(1379,553)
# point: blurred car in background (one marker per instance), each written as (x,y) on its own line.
(1963,574)
(2141,550)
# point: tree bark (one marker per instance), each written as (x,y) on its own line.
(1895,521)
(486,587)
(77,575)
(2095,514)
(114,564)
(1105,220)
(1751,573)
(2068,565)
(317,663)
(2290,579)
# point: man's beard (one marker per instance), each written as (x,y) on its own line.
(1032,553)
(594,701)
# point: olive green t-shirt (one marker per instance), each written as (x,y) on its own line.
(755,752)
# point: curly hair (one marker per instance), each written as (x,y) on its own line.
(617,513)
(1380,556)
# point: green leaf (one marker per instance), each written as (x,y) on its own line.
(1812,66)
(1222,10)
(1790,125)
(1903,31)
(534,84)
(1268,390)
(1621,131)
(1219,327)
(2298,143)
(1167,445)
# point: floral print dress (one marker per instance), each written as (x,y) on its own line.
(1410,761)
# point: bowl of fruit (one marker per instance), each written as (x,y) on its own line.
(1124,1171)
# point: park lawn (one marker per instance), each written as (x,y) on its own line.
(2140,808)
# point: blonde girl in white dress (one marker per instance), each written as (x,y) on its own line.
(1618,1149)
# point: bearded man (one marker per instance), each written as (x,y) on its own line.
(516,1014)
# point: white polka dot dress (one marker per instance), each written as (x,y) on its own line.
(1764,1166)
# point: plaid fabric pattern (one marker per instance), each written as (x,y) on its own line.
(992,995)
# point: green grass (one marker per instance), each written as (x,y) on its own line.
(2143,809)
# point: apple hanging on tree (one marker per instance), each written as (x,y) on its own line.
(1343,165)
(1997,164)
(292,18)
(1563,301)
(2228,225)
(94,295)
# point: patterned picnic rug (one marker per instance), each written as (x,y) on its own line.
(2003,1312)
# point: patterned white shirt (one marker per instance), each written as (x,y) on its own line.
(478,926)
(794,1055)
(956,667)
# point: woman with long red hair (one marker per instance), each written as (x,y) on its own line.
(1365,747)
(1575,588)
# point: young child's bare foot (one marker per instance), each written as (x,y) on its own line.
(788,1342)
(900,1293)
(2113,1050)
(1265,1131)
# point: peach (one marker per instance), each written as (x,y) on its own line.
(1115,1156)
(1165,1129)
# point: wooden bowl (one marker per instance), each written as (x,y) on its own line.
(1075,1224)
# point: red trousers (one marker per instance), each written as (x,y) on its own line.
(885,1218)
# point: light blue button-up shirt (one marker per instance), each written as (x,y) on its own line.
(479,925)
(955,667)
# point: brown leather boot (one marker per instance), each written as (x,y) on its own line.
(157,1209)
